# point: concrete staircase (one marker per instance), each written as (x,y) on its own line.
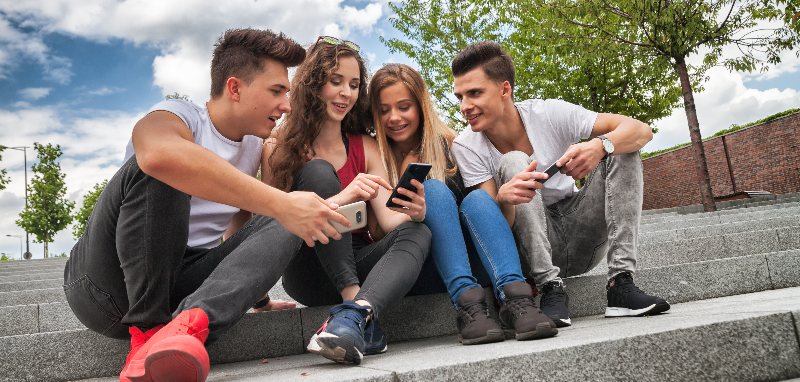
(733,277)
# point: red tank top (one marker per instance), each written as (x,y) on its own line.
(356,163)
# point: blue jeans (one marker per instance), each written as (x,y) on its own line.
(488,229)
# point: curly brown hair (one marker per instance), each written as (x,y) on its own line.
(304,123)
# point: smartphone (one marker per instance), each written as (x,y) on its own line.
(552,170)
(356,213)
(416,171)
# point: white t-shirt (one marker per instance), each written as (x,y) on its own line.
(552,126)
(209,220)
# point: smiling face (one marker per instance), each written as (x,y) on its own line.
(340,93)
(400,114)
(263,101)
(481,98)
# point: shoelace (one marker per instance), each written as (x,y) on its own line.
(518,305)
(553,296)
(474,309)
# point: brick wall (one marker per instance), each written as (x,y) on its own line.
(764,157)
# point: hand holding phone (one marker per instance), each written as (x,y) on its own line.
(552,170)
(416,171)
(356,213)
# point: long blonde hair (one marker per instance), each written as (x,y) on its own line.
(435,134)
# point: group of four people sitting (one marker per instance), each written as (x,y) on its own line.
(186,238)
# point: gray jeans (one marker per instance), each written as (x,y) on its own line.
(570,237)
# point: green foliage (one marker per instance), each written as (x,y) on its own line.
(775,116)
(48,210)
(553,58)
(668,31)
(82,216)
(3,173)
(3,257)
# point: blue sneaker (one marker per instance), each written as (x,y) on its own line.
(341,337)
(374,338)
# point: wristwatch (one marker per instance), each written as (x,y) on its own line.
(608,146)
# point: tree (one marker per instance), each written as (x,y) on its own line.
(667,32)
(82,216)
(48,210)
(3,173)
(599,76)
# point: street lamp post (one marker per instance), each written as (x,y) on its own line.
(20,244)
(27,254)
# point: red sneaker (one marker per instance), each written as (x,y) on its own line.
(176,353)
(138,338)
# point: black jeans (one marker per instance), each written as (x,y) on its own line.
(386,269)
(132,266)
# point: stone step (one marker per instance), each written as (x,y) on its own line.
(17,263)
(31,284)
(717,229)
(83,354)
(738,212)
(31,271)
(753,337)
(32,276)
(711,219)
(741,203)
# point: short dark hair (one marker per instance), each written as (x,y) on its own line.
(489,56)
(241,53)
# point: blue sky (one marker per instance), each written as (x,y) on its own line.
(81,73)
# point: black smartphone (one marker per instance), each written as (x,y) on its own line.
(416,171)
(552,170)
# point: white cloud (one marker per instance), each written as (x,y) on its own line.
(93,148)
(725,101)
(34,94)
(105,90)
(184,30)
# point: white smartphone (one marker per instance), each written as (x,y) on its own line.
(356,213)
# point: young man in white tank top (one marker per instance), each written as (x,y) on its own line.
(152,264)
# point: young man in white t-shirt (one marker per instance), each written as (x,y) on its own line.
(152,264)
(563,231)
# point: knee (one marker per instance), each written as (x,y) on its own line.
(513,162)
(318,176)
(420,235)
(436,191)
(476,199)
(627,165)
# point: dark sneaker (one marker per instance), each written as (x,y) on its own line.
(474,324)
(375,341)
(341,337)
(555,302)
(521,317)
(625,299)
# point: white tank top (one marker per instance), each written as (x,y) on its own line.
(209,220)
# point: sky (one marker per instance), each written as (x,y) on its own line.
(80,74)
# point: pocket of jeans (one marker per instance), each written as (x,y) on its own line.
(94,307)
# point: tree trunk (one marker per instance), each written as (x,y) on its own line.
(45,249)
(706,195)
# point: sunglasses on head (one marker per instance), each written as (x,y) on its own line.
(335,41)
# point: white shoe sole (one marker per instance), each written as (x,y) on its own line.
(313,346)
(625,312)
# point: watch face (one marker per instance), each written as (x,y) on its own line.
(608,146)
